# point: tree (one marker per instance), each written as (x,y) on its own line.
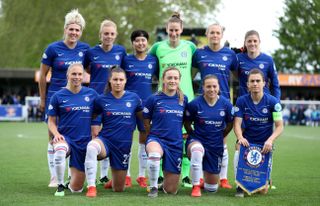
(299,35)
(28,26)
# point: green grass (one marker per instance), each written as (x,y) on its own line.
(24,173)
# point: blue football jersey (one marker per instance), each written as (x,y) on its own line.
(59,57)
(209,121)
(139,74)
(100,62)
(219,63)
(166,115)
(118,116)
(257,118)
(266,65)
(74,112)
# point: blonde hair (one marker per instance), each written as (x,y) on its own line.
(215,24)
(106,23)
(179,91)
(74,65)
(74,17)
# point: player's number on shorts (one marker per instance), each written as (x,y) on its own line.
(126,159)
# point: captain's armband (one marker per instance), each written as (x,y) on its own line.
(277,116)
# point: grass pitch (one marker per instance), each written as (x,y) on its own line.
(24,174)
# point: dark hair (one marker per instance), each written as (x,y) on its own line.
(249,33)
(175,18)
(139,33)
(209,76)
(113,69)
(256,71)
(179,91)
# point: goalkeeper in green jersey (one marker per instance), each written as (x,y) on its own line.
(177,53)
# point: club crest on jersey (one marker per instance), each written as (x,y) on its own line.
(253,156)
(50,107)
(44,55)
(87,99)
(150,66)
(128,104)
(265,110)
(117,57)
(261,66)
(225,58)
(81,54)
(184,54)
(222,113)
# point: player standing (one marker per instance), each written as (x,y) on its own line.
(177,53)
(57,57)
(140,67)
(98,61)
(253,58)
(220,61)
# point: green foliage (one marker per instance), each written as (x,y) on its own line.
(28,26)
(24,173)
(299,35)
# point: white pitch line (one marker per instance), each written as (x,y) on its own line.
(305,137)
(21,136)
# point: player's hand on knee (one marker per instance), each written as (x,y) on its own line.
(58,138)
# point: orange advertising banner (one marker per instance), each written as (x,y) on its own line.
(304,80)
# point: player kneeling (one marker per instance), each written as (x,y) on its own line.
(73,107)
(212,120)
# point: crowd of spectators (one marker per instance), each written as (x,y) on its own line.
(308,115)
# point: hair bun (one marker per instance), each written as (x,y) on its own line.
(176,14)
